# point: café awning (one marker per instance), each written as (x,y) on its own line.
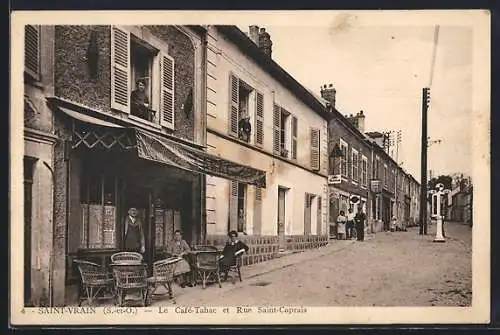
(164,150)
(158,148)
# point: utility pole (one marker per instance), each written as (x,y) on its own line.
(423,167)
(423,171)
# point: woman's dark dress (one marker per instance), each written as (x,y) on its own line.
(229,254)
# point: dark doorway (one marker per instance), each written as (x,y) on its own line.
(281,218)
(29,163)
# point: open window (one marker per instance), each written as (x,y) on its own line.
(243,100)
(142,77)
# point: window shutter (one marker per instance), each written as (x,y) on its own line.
(319,216)
(234,113)
(32,50)
(233,205)
(167,111)
(259,119)
(307,214)
(276,129)
(315,149)
(120,69)
(294,137)
(257,212)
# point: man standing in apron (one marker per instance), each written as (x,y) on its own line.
(133,233)
(360,219)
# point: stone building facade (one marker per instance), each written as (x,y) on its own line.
(287,139)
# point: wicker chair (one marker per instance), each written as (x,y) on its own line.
(163,275)
(126,257)
(130,278)
(95,280)
(235,269)
(207,266)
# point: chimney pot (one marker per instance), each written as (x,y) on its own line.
(264,42)
(328,93)
(254,34)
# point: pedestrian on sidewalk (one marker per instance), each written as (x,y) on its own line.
(350,224)
(341,222)
(360,219)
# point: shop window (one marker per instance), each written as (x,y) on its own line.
(98,198)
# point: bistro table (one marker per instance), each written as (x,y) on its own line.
(130,276)
(193,256)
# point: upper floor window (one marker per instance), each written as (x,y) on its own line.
(364,171)
(142,77)
(343,158)
(246,106)
(355,165)
(284,133)
(32,51)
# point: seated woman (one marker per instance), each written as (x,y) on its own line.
(179,248)
(232,248)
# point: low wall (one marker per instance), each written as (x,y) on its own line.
(304,242)
(261,248)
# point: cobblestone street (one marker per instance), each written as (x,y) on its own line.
(387,269)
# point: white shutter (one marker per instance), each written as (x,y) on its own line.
(315,142)
(259,119)
(257,212)
(234,101)
(294,137)
(276,129)
(233,205)
(120,69)
(167,111)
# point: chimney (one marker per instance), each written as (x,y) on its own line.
(253,33)
(265,44)
(361,121)
(328,93)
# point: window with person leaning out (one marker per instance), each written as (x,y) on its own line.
(140,102)
(232,249)
(184,268)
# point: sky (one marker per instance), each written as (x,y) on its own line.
(382,70)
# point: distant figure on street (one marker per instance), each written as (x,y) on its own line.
(350,224)
(360,219)
(341,221)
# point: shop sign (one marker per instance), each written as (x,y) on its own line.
(334,179)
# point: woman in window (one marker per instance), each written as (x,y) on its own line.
(180,248)
(140,100)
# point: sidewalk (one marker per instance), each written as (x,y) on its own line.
(195,294)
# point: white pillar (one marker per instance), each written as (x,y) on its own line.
(439,219)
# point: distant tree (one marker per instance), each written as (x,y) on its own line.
(443,179)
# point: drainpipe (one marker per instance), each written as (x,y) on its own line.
(203,178)
(51,260)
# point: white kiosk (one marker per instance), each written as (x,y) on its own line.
(436,210)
